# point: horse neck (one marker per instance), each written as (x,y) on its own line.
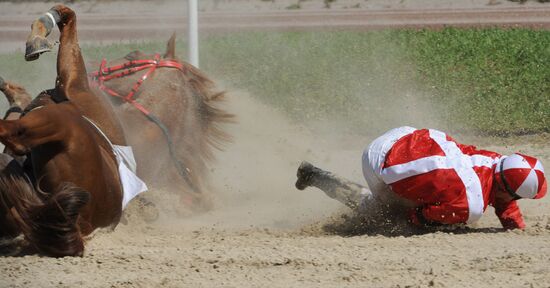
(71,72)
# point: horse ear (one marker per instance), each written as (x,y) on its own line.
(171,47)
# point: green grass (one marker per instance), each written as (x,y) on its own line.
(487,81)
(496,81)
(317,75)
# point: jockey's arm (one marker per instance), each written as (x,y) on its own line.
(438,214)
(509,215)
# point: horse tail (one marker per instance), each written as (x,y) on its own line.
(49,224)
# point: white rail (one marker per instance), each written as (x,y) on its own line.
(193,33)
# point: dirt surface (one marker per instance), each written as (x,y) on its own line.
(265,233)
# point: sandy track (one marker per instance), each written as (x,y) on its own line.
(217,258)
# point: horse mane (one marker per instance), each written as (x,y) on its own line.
(212,117)
(50,225)
(203,88)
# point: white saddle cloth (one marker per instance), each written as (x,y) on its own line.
(131,184)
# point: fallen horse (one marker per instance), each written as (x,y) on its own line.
(76,147)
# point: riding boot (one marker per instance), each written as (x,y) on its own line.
(345,191)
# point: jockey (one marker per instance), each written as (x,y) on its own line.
(436,179)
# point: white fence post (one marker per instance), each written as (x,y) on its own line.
(193,33)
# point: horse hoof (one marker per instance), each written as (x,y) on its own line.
(305,175)
(37,46)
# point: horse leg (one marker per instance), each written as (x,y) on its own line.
(17,97)
(350,194)
(72,79)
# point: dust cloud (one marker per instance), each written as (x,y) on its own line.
(253,179)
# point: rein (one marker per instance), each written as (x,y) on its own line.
(105,74)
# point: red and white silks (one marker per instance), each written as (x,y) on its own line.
(450,181)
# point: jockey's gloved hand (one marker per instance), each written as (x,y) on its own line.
(416,218)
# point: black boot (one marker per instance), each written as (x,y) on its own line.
(305,175)
(349,193)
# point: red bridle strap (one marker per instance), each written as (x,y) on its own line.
(105,74)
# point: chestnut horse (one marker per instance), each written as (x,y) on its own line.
(78,187)
(165,102)
(162,102)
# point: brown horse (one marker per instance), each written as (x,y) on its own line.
(78,187)
(72,159)
(165,102)
(176,108)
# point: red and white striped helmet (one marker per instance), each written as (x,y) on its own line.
(522,176)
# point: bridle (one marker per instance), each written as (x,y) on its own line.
(104,74)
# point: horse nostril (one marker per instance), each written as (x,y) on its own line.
(35,47)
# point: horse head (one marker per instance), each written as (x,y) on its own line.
(123,77)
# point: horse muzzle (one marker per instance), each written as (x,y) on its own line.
(36,46)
